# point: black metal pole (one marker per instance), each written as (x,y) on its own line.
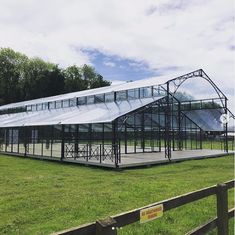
(142,133)
(168,125)
(226,127)
(179,127)
(115,143)
(76,142)
(62,143)
(125,137)
(25,141)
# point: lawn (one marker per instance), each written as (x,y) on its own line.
(40,197)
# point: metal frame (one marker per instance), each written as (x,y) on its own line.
(145,127)
(178,81)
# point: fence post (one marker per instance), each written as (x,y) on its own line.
(222,209)
(106,227)
(100,152)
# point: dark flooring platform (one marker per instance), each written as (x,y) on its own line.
(137,159)
(147,159)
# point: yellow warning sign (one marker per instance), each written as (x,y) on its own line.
(151,213)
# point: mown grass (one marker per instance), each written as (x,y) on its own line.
(40,197)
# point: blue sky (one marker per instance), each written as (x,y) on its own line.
(115,68)
(127,40)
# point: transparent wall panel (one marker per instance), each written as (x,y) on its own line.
(31,149)
(82,100)
(108,133)
(34,107)
(2,139)
(8,140)
(65,103)
(158,91)
(72,102)
(130,137)
(57,135)
(45,105)
(121,95)
(58,104)
(52,105)
(145,92)
(133,94)
(46,147)
(83,133)
(36,138)
(97,133)
(109,97)
(38,148)
(39,107)
(29,108)
(99,98)
(15,140)
(90,99)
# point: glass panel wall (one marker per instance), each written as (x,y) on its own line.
(121,95)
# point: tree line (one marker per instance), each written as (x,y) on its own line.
(23,78)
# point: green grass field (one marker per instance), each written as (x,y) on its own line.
(40,197)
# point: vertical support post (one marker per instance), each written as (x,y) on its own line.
(33,138)
(125,135)
(185,133)
(142,132)
(151,130)
(12,140)
(211,143)
(114,142)
(42,139)
(159,127)
(76,142)
(18,141)
(52,139)
(62,142)
(201,138)
(25,141)
(100,153)
(222,209)
(90,140)
(179,127)
(135,138)
(103,136)
(119,151)
(6,138)
(172,126)
(226,128)
(191,136)
(168,125)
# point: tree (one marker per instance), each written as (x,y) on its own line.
(11,65)
(73,79)
(41,79)
(92,78)
(183,96)
(23,78)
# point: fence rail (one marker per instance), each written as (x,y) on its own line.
(110,225)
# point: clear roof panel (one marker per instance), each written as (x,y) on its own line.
(93,113)
(113,88)
(207,119)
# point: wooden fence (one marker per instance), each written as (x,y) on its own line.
(110,225)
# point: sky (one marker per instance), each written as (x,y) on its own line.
(130,39)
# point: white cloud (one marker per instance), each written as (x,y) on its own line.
(109,63)
(179,34)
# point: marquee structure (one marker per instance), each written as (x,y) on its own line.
(102,126)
